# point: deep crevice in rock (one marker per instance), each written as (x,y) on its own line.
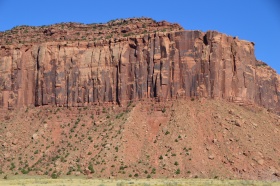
(205,40)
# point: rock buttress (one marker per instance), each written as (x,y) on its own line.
(162,66)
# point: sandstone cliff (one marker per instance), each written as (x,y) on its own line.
(159,61)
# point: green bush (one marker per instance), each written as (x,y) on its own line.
(24,171)
(90,167)
(12,166)
(54,175)
(153,171)
(167,132)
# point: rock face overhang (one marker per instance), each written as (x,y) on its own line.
(160,65)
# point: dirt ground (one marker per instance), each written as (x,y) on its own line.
(176,139)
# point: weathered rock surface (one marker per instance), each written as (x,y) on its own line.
(160,65)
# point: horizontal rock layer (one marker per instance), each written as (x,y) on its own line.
(161,65)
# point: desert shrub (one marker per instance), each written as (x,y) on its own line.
(108,36)
(24,171)
(54,175)
(119,115)
(12,166)
(90,167)
(144,32)
(167,132)
(153,171)
(123,167)
(127,34)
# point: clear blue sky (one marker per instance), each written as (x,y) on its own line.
(253,20)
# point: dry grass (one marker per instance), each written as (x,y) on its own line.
(140,182)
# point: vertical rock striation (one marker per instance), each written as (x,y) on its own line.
(160,65)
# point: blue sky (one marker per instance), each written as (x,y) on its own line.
(253,20)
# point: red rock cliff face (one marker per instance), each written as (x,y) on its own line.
(161,65)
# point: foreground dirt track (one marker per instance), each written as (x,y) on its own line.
(179,139)
(150,182)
